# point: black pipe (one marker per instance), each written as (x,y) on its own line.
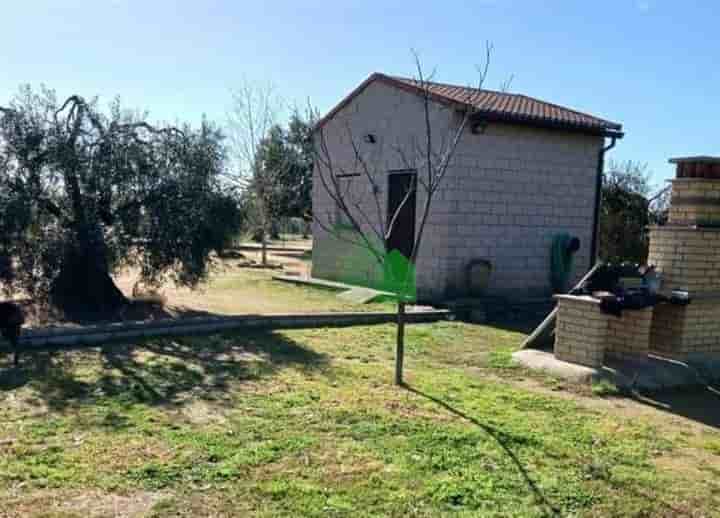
(598,198)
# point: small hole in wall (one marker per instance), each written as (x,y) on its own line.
(370,138)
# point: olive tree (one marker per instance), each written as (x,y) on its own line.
(86,191)
(625,212)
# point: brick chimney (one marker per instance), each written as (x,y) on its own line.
(695,191)
(687,252)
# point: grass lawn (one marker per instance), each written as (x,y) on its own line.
(307,423)
(233,290)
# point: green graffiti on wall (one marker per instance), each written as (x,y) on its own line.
(370,265)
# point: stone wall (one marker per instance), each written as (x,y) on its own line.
(506,194)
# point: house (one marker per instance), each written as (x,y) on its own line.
(523,172)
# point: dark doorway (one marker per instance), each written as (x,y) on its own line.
(402,185)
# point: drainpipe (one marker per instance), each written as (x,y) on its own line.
(598,197)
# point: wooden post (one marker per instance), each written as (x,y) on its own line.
(400,345)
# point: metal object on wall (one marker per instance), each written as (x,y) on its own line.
(477,276)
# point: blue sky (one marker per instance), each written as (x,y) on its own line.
(650,64)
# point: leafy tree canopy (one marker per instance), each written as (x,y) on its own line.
(626,212)
(85,191)
(285,156)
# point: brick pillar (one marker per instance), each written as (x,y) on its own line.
(581,330)
(694,200)
(688,258)
(687,253)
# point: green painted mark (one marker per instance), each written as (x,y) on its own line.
(369,265)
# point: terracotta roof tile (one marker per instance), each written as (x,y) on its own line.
(509,106)
(493,105)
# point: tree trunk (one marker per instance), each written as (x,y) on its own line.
(264,248)
(84,288)
(274,229)
(400,344)
(305,228)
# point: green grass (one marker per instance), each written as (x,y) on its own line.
(604,388)
(239,291)
(307,423)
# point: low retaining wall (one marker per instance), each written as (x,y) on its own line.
(98,334)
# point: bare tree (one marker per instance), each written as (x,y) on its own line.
(355,185)
(253,114)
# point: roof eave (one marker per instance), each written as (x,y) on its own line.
(614,130)
(697,159)
(377,76)
(344,102)
(611,129)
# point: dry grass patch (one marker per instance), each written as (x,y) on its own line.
(80,504)
(229,290)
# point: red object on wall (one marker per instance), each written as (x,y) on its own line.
(697,167)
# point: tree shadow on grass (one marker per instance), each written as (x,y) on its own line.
(524,323)
(163,372)
(144,307)
(504,441)
(140,308)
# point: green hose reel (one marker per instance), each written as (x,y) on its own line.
(562,254)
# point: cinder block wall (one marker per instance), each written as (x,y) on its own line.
(506,194)
(512,190)
(396,119)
